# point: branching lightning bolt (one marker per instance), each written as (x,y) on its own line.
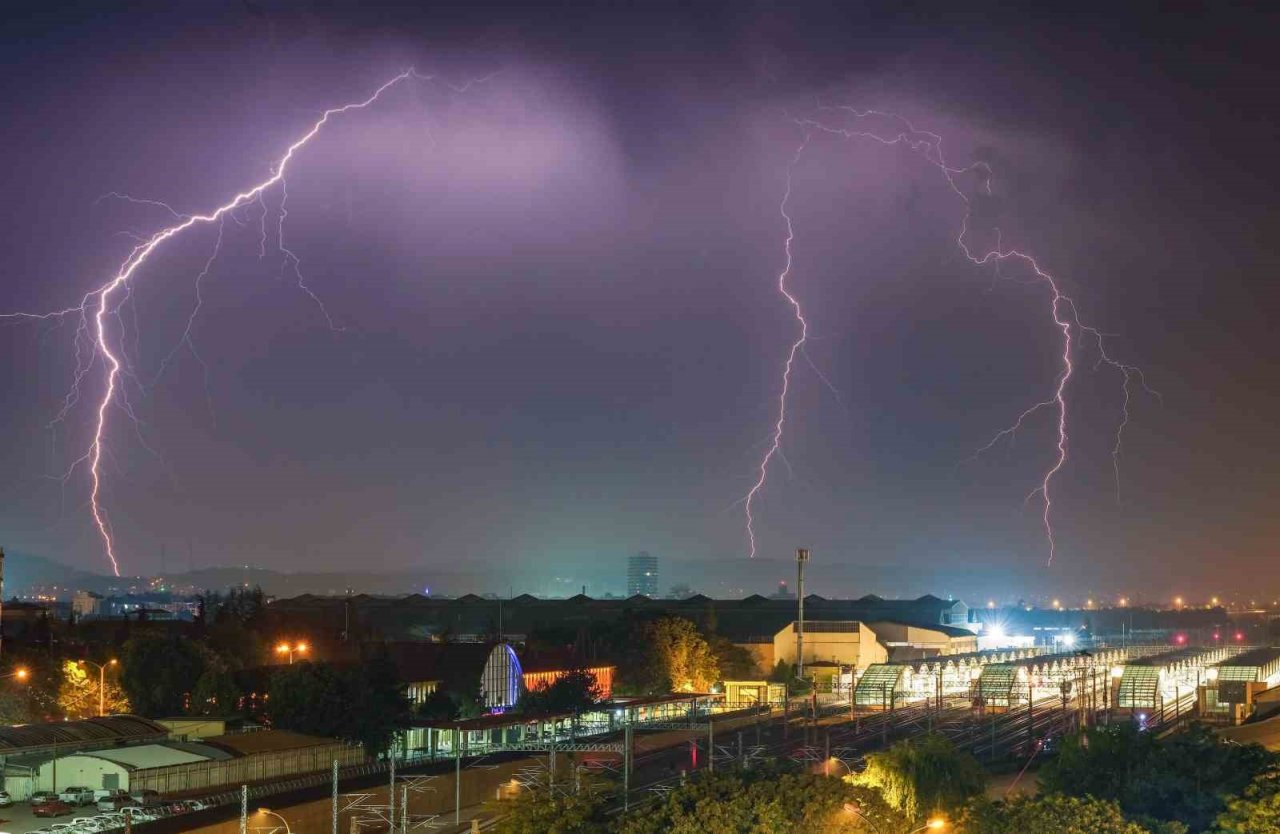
(1062,308)
(93,347)
(798,345)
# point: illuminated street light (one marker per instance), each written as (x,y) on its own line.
(287,829)
(856,809)
(284,647)
(102,681)
(1177,601)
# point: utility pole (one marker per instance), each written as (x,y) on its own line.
(335,796)
(802,559)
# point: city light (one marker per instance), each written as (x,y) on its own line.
(991,603)
(1069,639)
(290,649)
(1181,639)
(1057,604)
(1177,601)
(1124,601)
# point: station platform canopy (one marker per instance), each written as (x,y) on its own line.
(1002,684)
(1254,666)
(879,685)
(1139,687)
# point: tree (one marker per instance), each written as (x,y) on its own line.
(79,694)
(364,703)
(158,671)
(575,692)
(765,800)
(735,662)
(378,703)
(537,812)
(1256,811)
(215,693)
(677,658)
(1184,778)
(923,775)
(1054,814)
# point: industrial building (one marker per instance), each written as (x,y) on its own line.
(130,753)
(856,644)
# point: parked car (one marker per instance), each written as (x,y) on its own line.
(51,808)
(137,813)
(86,825)
(41,797)
(146,796)
(5,799)
(114,800)
(197,804)
(76,795)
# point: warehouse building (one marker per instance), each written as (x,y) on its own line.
(126,752)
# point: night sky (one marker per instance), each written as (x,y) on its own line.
(559,336)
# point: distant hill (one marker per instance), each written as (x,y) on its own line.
(22,571)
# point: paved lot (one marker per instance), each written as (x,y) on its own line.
(17,818)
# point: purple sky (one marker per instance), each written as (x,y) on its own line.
(561,333)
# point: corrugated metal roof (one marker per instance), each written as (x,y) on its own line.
(144,756)
(103,731)
(267,740)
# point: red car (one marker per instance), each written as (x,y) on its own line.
(52,808)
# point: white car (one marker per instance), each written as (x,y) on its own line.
(114,801)
(76,795)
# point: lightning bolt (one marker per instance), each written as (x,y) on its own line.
(1062,308)
(798,345)
(93,346)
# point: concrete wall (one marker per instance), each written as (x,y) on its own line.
(219,775)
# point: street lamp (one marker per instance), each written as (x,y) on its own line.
(856,809)
(102,681)
(287,829)
(22,673)
(284,647)
(935,824)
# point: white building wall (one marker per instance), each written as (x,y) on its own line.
(88,771)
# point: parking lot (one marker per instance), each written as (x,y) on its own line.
(19,819)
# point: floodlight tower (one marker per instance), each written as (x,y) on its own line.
(802,559)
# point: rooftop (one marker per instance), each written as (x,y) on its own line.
(91,732)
